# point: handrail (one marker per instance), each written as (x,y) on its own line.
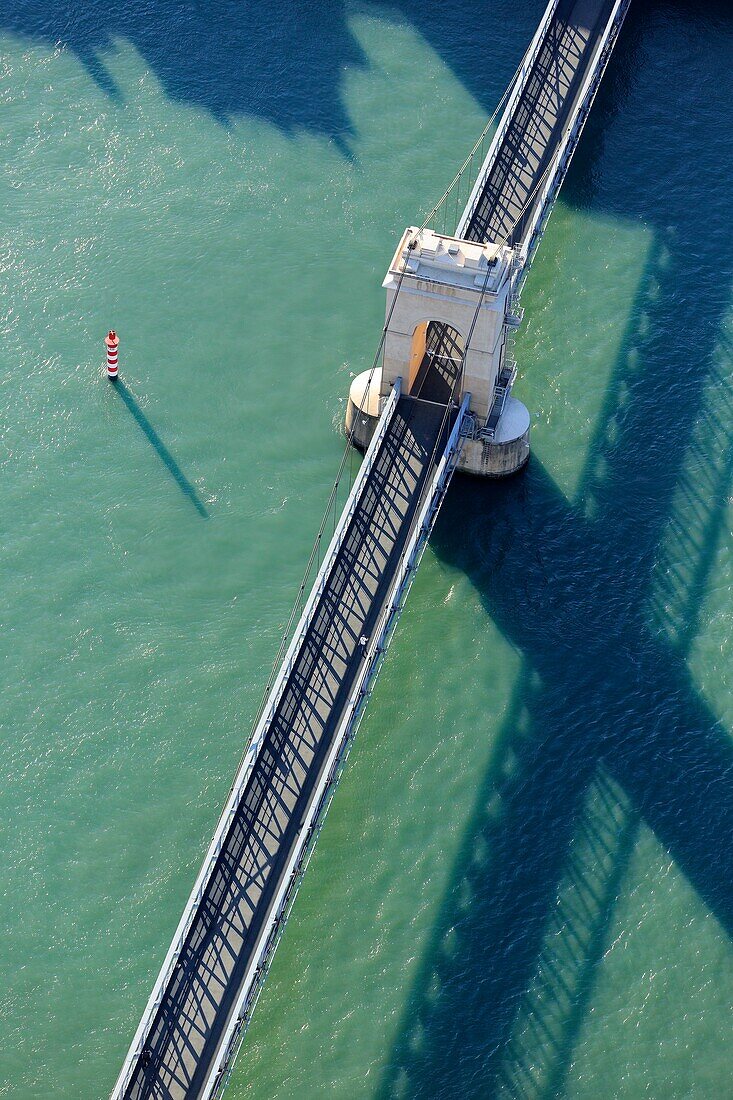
(458,178)
(569,140)
(417,537)
(313,822)
(506,118)
(252,751)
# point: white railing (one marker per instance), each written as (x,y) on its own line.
(321,798)
(506,118)
(555,174)
(253,749)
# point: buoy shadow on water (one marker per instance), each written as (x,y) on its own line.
(159,447)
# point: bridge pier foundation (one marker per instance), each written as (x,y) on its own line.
(507,452)
(362,409)
(448,317)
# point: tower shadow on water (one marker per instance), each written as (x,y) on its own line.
(284,62)
(602,596)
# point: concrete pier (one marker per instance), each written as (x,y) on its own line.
(453,301)
(362,410)
(507,453)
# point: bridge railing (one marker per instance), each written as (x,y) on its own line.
(556,171)
(313,822)
(253,748)
(517,88)
(446,217)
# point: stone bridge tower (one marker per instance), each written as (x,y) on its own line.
(448,317)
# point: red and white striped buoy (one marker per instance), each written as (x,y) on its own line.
(112,344)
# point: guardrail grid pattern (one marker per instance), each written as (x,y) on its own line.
(225,933)
(209,983)
(505,203)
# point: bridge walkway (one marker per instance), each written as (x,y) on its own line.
(185,1036)
(220,952)
(505,204)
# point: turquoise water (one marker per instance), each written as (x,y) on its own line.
(523,886)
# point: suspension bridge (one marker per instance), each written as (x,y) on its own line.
(437,398)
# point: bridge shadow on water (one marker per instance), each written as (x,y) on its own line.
(160,448)
(602,596)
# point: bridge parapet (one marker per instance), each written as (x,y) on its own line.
(512,98)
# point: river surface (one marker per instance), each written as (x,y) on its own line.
(524,887)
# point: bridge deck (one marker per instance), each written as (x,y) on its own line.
(548,101)
(225,937)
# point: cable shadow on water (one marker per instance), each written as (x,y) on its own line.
(160,448)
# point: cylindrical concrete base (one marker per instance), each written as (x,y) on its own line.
(507,453)
(362,409)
